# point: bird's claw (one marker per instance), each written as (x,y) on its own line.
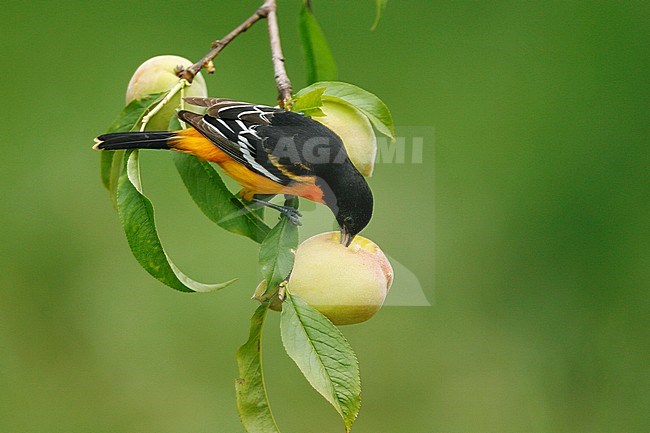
(293,215)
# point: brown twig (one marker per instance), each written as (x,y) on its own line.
(267,10)
(281,78)
(219,45)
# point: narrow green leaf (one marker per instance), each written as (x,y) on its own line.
(215,200)
(381,5)
(131,115)
(366,102)
(128,120)
(105,169)
(174,124)
(112,162)
(252,401)
(318,57)
(277,252)
(324,356)
(137,218)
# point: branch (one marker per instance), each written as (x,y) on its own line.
(219,45)
(281,78)
(267,10)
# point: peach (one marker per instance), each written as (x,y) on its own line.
(354,129)
(157,75)
(348,285)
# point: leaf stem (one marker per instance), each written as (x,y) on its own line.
(182,83)
(268,11)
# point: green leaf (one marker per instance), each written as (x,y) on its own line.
(366,102)
(131,115)
(252,401)
(111,167)
(128,120)
(318,57)
(174,124)
(381,5)
(215,200)
(309,103)
(277,252)
(137,218)
(106,167)
(324,356)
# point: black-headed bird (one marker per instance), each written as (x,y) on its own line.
(266,150)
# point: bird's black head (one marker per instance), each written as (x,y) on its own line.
(348,195)
(354,213)
(321,153)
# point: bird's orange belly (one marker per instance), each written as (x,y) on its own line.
(253,183)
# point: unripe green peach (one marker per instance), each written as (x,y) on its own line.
(348,285)
(355,131)
(157,75)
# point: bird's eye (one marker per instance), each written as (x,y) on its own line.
(348,220)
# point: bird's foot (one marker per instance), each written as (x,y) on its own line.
(292,214)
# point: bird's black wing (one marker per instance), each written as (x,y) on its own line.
(233,126)
(302,145)
(279,144)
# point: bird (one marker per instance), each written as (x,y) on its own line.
(268,151)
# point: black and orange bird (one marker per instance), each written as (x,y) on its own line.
(267,151)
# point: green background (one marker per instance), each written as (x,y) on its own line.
(526,224)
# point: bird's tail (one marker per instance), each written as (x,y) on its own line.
(134,140)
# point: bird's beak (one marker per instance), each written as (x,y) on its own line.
(346,237)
